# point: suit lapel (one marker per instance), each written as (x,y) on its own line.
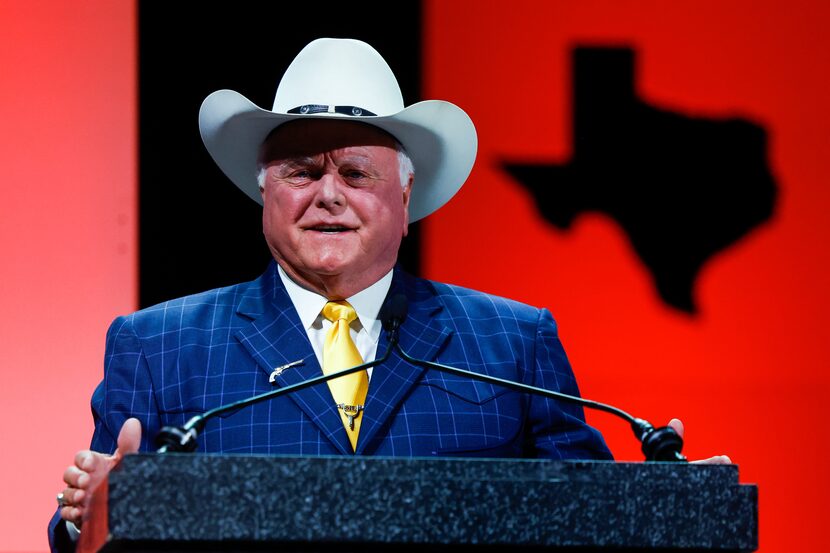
(422,336)
(275,337)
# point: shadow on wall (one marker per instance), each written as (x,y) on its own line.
(682,188)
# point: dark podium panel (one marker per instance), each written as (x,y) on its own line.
(181,502)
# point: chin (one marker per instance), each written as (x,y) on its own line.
(330,267)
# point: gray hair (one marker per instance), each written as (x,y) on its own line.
(405,167)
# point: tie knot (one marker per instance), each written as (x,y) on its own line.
(337,310)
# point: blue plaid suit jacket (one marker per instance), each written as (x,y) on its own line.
(169,362)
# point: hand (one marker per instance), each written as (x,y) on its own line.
(716,460)
(91,468)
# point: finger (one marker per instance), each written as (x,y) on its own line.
(94,468)
(678,427)
(90,461)
(73,477)
(72,514)
(83,459)
(129,438)
(74,497)
(716,460)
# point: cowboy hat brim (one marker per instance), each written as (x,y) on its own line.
(438,136)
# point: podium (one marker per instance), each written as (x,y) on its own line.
(187,502)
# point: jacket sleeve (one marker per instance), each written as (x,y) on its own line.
(557,429)
(127,390)
(59,540)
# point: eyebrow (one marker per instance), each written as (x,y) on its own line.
(306,160)
(296,160)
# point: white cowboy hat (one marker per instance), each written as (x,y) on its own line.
(345,79)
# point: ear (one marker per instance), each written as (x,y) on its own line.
(406,192)
(262,179)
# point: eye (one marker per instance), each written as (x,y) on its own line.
(354,175)
(303,175)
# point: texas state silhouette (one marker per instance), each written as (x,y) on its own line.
(682,188)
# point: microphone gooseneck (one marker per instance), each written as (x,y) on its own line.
(658,444)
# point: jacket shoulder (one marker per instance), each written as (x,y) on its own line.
(208,307)
(457,298)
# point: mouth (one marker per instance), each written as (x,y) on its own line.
(330,229)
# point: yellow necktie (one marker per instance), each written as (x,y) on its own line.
(339,352)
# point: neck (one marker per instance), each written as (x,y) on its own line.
(334,287)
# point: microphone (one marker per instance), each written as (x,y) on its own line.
(183,438)
(394,314)
(658,444)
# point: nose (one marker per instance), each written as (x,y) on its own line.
(330,194)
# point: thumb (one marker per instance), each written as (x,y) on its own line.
(677,425)
(129,438)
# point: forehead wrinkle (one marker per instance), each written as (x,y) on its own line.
(346,155)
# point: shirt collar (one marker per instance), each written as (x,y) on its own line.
(366,303)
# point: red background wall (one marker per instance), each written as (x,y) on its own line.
(746,375)
(67,236)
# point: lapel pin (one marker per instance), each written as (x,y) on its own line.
(282,368)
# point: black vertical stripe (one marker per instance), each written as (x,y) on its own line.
(197,230)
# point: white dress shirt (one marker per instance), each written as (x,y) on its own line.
(365,330)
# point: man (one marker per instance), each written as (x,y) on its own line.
(341,169)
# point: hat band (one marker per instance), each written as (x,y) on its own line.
(322,108)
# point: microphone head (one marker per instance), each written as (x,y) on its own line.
(395,312)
